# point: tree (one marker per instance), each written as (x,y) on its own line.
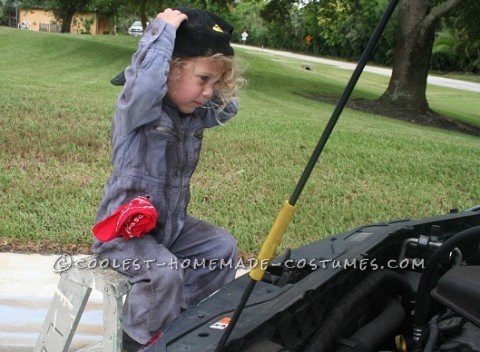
(111,10)
(283,21)
(415,36)
(247,18)
(343,27)
(65,10)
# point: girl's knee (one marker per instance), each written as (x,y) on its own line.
(170,274)
(167,282)
(229,245)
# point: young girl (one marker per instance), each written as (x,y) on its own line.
(181,80)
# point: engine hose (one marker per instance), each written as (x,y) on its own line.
(372,334)
(422,305)
(432,334)
(320,342)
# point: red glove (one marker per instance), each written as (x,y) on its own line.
(132,219)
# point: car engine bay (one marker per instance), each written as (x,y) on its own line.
(403,285)
(425,298)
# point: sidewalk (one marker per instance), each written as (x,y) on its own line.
(27,285)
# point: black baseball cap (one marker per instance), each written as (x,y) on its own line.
(203,34)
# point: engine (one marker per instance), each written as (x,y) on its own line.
(429,302)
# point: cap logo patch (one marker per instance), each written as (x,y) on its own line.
(217,28)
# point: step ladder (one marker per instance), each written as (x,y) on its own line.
(69,302)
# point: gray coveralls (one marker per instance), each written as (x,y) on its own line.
(155,151)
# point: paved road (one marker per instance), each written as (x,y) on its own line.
(433,80)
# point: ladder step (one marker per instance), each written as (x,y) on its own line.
(94,347)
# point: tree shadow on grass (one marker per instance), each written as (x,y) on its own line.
(430,118)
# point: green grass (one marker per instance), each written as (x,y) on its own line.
(56,105)
(471,77)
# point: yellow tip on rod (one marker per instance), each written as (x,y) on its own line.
(273,240)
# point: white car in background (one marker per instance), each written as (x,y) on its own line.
(136,28)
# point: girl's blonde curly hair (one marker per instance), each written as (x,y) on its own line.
(226,89)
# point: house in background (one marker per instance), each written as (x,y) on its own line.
(45,21)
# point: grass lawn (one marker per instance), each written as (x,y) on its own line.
(56,105)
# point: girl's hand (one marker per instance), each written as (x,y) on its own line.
(173,17)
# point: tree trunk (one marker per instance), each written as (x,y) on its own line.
(143,13)
(413,51)
(67,16)
(408,83)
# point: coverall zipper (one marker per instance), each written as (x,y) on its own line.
(182,170)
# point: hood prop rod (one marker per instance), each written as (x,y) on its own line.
(286,213)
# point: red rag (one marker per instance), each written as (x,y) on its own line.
(132,219)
